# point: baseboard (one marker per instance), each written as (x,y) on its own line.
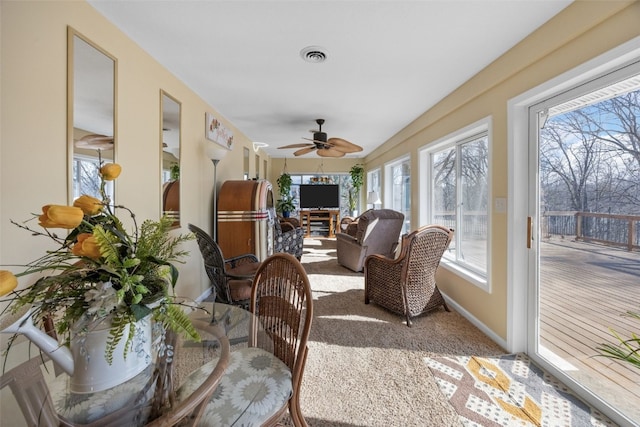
(477,323)
(204,295)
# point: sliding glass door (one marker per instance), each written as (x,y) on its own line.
(585,233)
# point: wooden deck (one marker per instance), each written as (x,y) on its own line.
(584,290)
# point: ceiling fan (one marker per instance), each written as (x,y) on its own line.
(332,147)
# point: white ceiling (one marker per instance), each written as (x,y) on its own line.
(388,61)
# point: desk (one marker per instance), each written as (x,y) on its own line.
(331,215)
(196,369)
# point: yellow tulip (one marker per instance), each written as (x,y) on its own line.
(57,216)
(89,205)
(8,282)
(110,171)
(86,246)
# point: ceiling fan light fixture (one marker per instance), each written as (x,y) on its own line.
(314,54)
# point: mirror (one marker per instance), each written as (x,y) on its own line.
(170,119)
(257,166)
(245,156)
(91,102)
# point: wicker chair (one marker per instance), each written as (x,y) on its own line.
(282,305)
(226,290)
(407,285)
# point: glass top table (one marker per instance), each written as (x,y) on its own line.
(176,386)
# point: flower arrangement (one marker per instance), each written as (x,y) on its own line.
(100,271)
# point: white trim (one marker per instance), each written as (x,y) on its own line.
(517,202)
(484,125)
(387,185)
(521,301)
(204,295)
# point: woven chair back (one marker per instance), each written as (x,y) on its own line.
(282,304)
(425,247)
(213,263)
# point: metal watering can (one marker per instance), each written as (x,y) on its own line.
(84,361)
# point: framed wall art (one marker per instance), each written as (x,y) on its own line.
(216,132)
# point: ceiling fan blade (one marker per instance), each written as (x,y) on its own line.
(95,142)
(344,145)
(296,145)
(315,141)
(303,151)
(329,152)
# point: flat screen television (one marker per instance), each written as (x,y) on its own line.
(323,196)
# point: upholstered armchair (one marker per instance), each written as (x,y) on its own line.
(407,285)
(288,237)
(376,231)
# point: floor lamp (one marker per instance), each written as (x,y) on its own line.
(215,153)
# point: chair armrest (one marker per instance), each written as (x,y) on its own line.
(235,261)
(345,222)
(293,221)
(346,238)
(286,226)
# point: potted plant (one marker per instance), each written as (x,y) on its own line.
(627,349)
(285,204)
(357,180)
(102,285)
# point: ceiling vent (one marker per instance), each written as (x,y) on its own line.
(313,54)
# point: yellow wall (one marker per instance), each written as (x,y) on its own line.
(581,32)
(33,134)
(33,162)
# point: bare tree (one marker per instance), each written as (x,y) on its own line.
(591,157)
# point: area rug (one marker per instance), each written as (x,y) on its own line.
(509,390)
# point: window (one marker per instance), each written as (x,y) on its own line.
(457,184)
(343,180)
(85,178)
(398,189)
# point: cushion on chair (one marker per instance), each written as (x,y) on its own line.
(254,387)
(288,237)
(240,289)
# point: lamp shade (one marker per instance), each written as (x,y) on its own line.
(215,151)
(373,198)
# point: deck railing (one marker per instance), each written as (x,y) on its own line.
(608,229)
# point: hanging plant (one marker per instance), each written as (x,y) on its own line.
(175,172)
(357,180)
(284,184)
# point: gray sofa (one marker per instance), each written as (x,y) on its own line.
(376,231)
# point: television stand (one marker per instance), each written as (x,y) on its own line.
(308,216)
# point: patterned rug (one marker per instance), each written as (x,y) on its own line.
(509,390)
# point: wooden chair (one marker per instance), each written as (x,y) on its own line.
(28,385)
(268,374)
(407,285)
(226,290)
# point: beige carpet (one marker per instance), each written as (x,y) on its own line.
(365,366)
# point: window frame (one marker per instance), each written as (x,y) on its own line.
(456,139)
(388,188)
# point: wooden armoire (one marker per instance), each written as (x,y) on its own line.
(245,218)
